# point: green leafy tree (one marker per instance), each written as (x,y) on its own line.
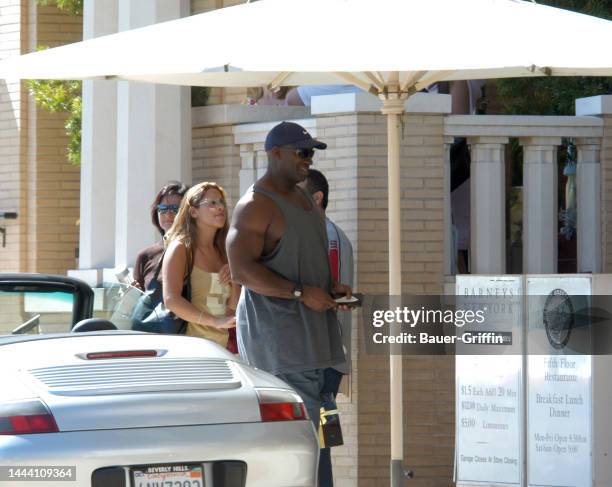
(62,97)
(73,7)
(556,96)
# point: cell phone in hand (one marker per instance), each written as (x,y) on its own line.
(353,302)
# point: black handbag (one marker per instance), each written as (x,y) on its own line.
(152,316)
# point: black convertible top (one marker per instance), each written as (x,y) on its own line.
(43,283)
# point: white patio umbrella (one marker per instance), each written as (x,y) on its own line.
(392,48)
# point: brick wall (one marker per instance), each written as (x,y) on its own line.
(199,6)
(12,20)
(54,201)
(216,158)
(35,177)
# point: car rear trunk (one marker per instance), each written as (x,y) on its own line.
(144,392)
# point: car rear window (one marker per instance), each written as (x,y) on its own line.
(34,310)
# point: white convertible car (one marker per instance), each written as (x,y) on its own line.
(129,409)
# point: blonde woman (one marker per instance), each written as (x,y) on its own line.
(195,249)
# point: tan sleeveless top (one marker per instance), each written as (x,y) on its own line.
(209,296)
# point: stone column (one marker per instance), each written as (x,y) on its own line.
(588,192)
(153,137)
(540,212)
(98,154)
(487,205)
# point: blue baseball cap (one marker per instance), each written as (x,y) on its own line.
(289,133)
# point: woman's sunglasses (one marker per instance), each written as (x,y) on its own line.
(220,203)
(162,209)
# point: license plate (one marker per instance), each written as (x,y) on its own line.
(168,476)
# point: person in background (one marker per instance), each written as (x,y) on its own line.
(195,250)
(297,95)
(163,210)
(264,96)
(340,253)
(277,248)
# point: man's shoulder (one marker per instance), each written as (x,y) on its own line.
(255,208)
(254,199)
(337,228)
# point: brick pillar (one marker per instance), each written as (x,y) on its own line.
(216,158)
(428,380)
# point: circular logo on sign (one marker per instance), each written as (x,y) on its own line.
(558,318)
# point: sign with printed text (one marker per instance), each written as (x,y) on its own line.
(488,390)
(559,385)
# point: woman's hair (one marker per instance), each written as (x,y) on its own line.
(184,228)
(172,188)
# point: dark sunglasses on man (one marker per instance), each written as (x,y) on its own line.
(167,209)
(303,154)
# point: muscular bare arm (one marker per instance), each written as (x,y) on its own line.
(245,246)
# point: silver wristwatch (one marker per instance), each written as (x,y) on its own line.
(297,292)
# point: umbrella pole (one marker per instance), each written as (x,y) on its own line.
(393,107)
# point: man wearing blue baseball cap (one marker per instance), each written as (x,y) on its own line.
(277,249)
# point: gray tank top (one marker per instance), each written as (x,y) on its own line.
(282,335)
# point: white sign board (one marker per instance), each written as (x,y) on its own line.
(558,392)
(488,392)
